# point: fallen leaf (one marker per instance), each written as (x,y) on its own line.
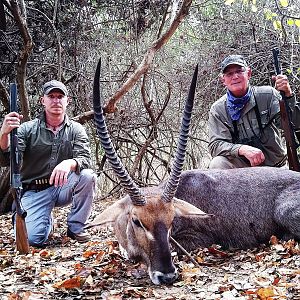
(71,283)
(89,253)
(216,252)
(260,256)
(100,255)
(45,253)
(265,293)
(89,280)
(276,281)
(274,240)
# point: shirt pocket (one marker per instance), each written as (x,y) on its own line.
(255,126)
(264,117)
(65,150)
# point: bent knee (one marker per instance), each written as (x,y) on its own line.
(37,237)
(89,175)
(220,162)
(223,162)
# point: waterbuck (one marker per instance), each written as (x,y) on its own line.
(246,205)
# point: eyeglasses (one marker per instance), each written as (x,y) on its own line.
(238,72)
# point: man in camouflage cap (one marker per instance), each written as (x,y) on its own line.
(244,124)
(55,166)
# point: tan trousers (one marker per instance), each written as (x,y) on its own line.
(222,162)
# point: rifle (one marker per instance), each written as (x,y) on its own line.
(15,181)
(286,122)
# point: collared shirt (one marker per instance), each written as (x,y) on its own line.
(267,99)
(42,150)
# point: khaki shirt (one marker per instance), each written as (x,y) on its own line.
(221,127)
(42,150)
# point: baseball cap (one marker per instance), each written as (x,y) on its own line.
(233,60)
(54,85)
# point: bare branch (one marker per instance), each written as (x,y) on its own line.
(154,121)
(4,96)
(184,251)
(2,17)
(163,20)
(148,58)
(24,55)
(144,65)
(57,36)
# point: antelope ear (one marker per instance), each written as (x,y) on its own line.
(185,209)
(110,214)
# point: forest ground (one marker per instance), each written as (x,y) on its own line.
(68,270)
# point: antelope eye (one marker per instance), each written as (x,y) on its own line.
(137,222)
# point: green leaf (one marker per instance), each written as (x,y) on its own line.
(290,22)
(269,14)
(229,2)
(277,25)
(284,3)
(297,23)
(254,8)
(289,71)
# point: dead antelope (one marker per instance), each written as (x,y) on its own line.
(248,205)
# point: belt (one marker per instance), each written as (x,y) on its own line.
(37,185)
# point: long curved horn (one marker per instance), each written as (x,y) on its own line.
(172,183)
(126,181)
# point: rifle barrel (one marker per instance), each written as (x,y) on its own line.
(286,121)
(15,180)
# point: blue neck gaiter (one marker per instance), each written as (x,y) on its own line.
(235,105)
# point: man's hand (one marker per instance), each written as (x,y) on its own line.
(282,84)
(254,155)
(59,175)
(11,121)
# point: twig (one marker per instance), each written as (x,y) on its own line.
(184,251)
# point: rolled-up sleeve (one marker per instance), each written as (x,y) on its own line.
(81,149)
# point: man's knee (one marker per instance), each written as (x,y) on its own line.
(37,234)
(222,162)
(88,176)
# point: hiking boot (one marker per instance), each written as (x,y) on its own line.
(80,237)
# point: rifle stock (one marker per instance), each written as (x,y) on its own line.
(15,181)
(286,122)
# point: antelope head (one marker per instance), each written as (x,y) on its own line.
(143,219)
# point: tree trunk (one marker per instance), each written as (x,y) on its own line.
(6,198)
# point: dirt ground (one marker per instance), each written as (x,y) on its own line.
(66,269)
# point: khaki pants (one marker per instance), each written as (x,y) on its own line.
(223,162)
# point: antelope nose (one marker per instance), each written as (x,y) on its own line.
(168,278)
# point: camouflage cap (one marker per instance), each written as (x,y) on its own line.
(233,60)
(54,85)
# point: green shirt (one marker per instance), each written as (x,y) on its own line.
(42,150)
